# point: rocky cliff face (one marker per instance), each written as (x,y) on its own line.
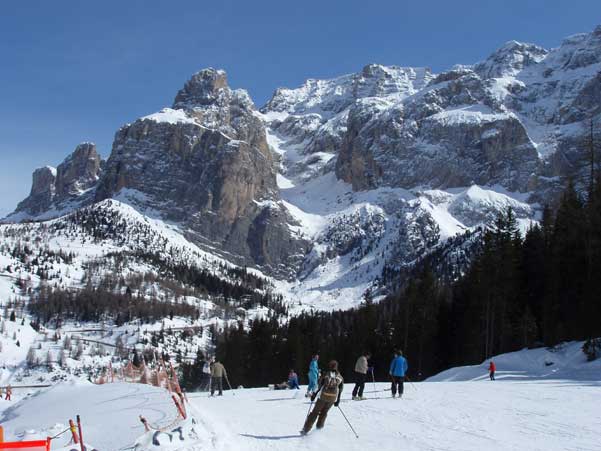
(68,186)
(205,164)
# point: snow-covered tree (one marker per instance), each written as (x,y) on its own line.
(63,359)
(67,343)
(31,357)
(79,351)
(49,362)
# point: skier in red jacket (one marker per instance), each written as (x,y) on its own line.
(491,370)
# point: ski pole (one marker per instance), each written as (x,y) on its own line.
(230,385)
(411,382)
(348,422)
(80,433)
(309,411)
(313,396)
(373,378)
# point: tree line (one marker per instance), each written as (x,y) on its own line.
(94,304)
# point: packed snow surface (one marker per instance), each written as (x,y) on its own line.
(109,413)
(529,407)
(484,415)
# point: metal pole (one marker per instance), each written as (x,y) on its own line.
(309,411)
(348,422)
(230,385)
(373,378)
(80,434)
(411,382)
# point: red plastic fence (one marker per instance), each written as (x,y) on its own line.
(37,445)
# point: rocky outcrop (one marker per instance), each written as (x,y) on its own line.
(205,164)
(68,186)
(43,189)
(452,134)
(79,172)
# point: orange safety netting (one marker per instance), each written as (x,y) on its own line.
(37,445)
(160,375)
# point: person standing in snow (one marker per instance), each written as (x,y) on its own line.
(217,374)
(313,375)
(398,368)
(361,367)
(206,375)
(293,380)
(491,370)
(331,385)
(9,392)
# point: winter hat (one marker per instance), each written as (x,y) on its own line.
(333,365)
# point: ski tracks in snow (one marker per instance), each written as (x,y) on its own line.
(445,416)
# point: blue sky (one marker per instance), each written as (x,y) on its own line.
(73,71)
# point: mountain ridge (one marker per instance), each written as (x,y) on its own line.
(341,178)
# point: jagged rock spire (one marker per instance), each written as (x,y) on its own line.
(202,89)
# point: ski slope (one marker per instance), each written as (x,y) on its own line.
(109,413)
(483,415)
(529,407)
(563,362)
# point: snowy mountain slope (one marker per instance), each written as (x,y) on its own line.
(356,234)
(113,248)
(563,362)
(97,232)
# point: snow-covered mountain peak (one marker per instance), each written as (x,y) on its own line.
(332,96)
(578,51)
(203,88)
(478,206)
(510,59)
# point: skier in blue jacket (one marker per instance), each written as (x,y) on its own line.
(313,376)
(398,368)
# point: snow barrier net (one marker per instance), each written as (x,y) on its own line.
(161,375)
(37,445)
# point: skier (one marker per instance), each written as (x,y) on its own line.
(293,380)
(361,367)
(9,392)
(491,370)
(206,375)
(313,376)
(331,385)
(217,374)
(398,368)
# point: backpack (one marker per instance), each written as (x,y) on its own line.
(330,383)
